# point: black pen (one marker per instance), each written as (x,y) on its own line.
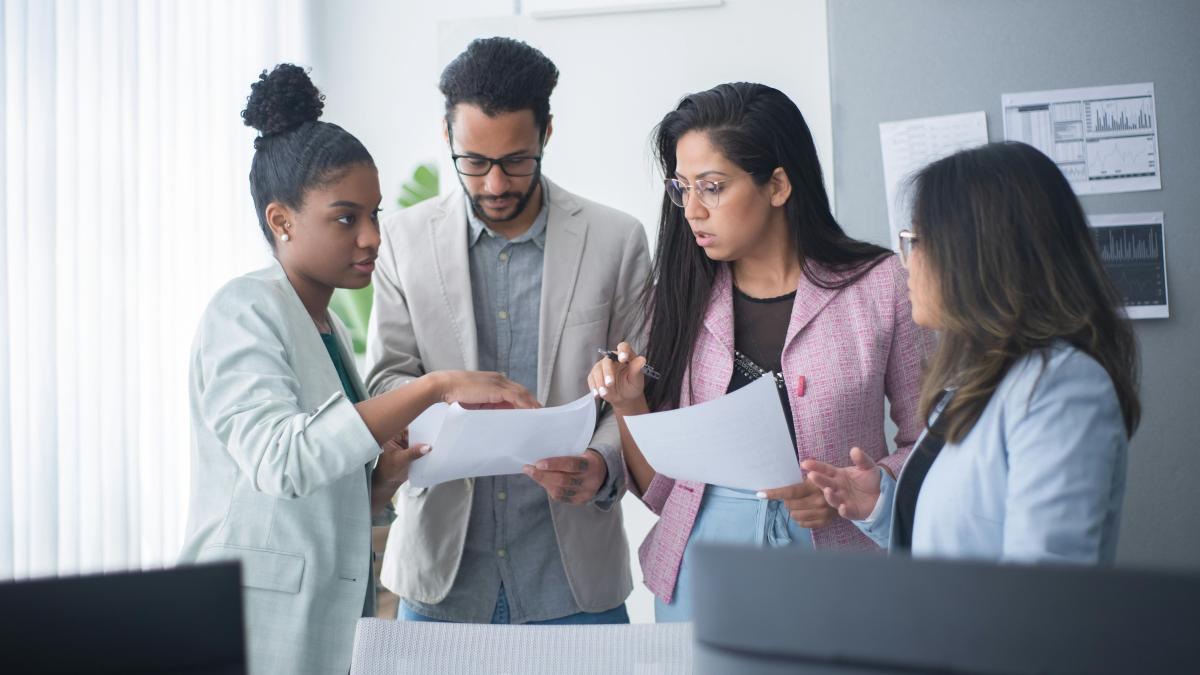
(646,369)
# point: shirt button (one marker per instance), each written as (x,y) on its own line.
(501,496)
(501,553)
(503,314)
(504,257)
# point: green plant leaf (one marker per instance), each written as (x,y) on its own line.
(422,186)
(353,307)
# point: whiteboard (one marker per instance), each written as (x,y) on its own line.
(620,73)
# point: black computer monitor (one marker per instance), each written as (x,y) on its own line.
(181,620)
(820,613)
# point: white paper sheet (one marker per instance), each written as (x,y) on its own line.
(1104,139)
(909,145)
(471,443)
(1134,252)
(740,440)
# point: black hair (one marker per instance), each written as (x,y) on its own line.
(759,129)
(295,151)
(501,75)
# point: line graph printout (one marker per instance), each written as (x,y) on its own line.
(1104,139)
(1134,253)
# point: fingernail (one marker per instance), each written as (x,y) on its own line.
(595,393)
(760,495)
(425,450)
(608,379)
(541,465)
(604,391)
(527,470)
(622,357)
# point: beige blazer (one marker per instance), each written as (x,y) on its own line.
(280,461)
(596,264)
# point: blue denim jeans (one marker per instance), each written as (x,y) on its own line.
(729,516)
(500,615)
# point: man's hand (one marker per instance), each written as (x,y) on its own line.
(573,479)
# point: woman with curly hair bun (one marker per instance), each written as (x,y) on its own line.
(290,459)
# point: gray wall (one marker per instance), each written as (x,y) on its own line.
(898,60)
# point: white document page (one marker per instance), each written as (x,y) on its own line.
(909,145)
(740,440)
(471,443)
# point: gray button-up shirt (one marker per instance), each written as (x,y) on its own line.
(510,541)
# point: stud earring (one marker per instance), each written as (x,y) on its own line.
(286,237)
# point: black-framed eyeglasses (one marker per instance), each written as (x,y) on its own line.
(476,165)
(709,191)
(908,241)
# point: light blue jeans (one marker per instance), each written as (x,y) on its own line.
(729,516)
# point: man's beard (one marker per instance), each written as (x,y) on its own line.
(522,200)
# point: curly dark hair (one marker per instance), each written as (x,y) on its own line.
(501,75)
(295,151)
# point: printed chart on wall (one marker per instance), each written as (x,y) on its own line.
(1104,139)
(1134,252)
(908,145)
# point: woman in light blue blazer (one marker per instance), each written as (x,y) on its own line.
(1031,396)
(290,460)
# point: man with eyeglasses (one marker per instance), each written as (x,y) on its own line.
(510,273)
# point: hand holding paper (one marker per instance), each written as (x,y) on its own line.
(471,443)
(574,479)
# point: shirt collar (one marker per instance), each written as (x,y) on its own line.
(536,232)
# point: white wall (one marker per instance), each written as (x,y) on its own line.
(379,62)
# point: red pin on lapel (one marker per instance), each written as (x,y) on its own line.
(800,386)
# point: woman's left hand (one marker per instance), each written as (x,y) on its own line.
(392,468)
(805,502)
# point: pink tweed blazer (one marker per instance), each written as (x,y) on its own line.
(844,351)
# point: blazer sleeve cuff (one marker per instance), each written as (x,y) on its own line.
(610,491)
(878,525)
(657,492)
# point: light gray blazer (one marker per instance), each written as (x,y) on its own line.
(1040,477)
(280,463)
(595,266)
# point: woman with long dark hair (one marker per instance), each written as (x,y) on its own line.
(753,275)
(1031,396)
(290,458)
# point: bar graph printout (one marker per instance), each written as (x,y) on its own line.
(1104,139)
(1134,252)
